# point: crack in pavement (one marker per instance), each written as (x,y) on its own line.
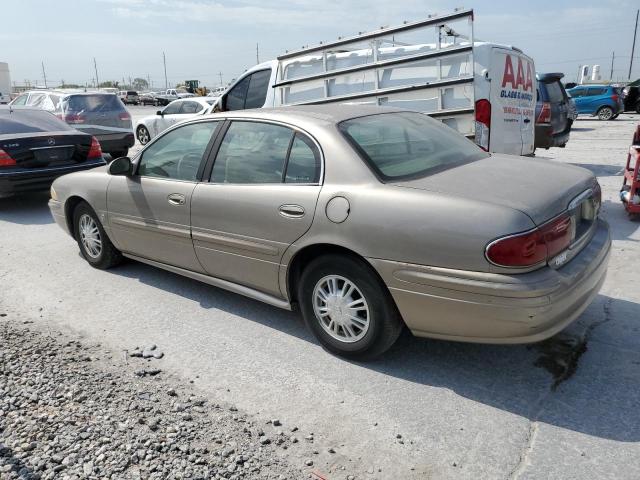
(560,357)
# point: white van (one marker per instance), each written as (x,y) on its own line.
(484,90)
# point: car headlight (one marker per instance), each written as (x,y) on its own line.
(54,195)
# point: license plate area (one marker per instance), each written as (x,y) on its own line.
(52,156)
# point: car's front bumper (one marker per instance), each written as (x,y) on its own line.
(497,308)
(29,180)
(57,212)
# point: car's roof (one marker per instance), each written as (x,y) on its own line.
(331,113)
(71,92)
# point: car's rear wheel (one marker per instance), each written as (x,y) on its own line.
(605,113)
(348,308)
(95,245)
(143,135)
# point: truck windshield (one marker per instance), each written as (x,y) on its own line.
(405,145)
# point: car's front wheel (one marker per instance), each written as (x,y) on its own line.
(143,135)
(347,307)
(95,245)
(605,113)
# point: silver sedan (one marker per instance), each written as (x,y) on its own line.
(367,219)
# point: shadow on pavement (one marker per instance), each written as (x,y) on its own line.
(507,377)
(622,227)
(602,170)
(26,209)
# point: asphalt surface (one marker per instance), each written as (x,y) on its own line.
(566,409)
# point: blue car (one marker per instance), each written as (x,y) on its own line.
(604,101)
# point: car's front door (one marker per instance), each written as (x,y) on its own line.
(261,198)
(149,212)
(170,115)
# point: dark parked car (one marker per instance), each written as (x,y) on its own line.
(553,118)
(36,148)
(603,101)
(97,113)
(148,98)
(631,96)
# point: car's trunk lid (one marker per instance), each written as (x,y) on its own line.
(539,188)
(48,149)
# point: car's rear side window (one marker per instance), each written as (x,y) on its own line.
(259,152)
(30,121)
(408,145)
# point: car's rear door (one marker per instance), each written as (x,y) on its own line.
(149,212)
(264,187)
(512,100)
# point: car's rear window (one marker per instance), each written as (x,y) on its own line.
(554,92)
(93,103)
(408,145)
(30,121)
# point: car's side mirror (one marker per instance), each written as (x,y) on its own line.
(121,166)
(159,112)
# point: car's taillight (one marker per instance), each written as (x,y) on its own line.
(532,247)
(483,123)
(6,160)
(614,97)
(74,118)
(124,116)
(545,113)
(95,151)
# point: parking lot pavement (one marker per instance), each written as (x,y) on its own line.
(564,409)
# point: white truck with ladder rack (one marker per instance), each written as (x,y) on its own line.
(485,91)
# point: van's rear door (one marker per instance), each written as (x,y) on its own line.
(513,102)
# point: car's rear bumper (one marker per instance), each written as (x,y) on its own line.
(114,142)
(497,308)
(19,181)
(545,138)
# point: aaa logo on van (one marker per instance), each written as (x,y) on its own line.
(518,80)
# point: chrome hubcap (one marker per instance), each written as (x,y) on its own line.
(143,135)
(606,114)
(90,236)
(341,308)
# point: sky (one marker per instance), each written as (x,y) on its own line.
(210,39)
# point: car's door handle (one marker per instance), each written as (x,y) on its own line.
(526,120)
(176,199)
(291,211)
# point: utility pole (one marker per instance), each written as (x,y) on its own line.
(164,60)
(613,56)
(633,46)
(257,54)
(45,76)
(220,73)
(95,66)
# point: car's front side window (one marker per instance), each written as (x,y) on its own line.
(172,108)
(21,100)
(189,107)
(177,155)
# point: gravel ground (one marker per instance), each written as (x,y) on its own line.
(70,410)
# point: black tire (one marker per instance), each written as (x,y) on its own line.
(142,134)
(119,153)
(109,256)
(615,116)
(605,113)
(385,324)
(637,107)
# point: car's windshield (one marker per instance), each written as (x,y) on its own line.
(408,145)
